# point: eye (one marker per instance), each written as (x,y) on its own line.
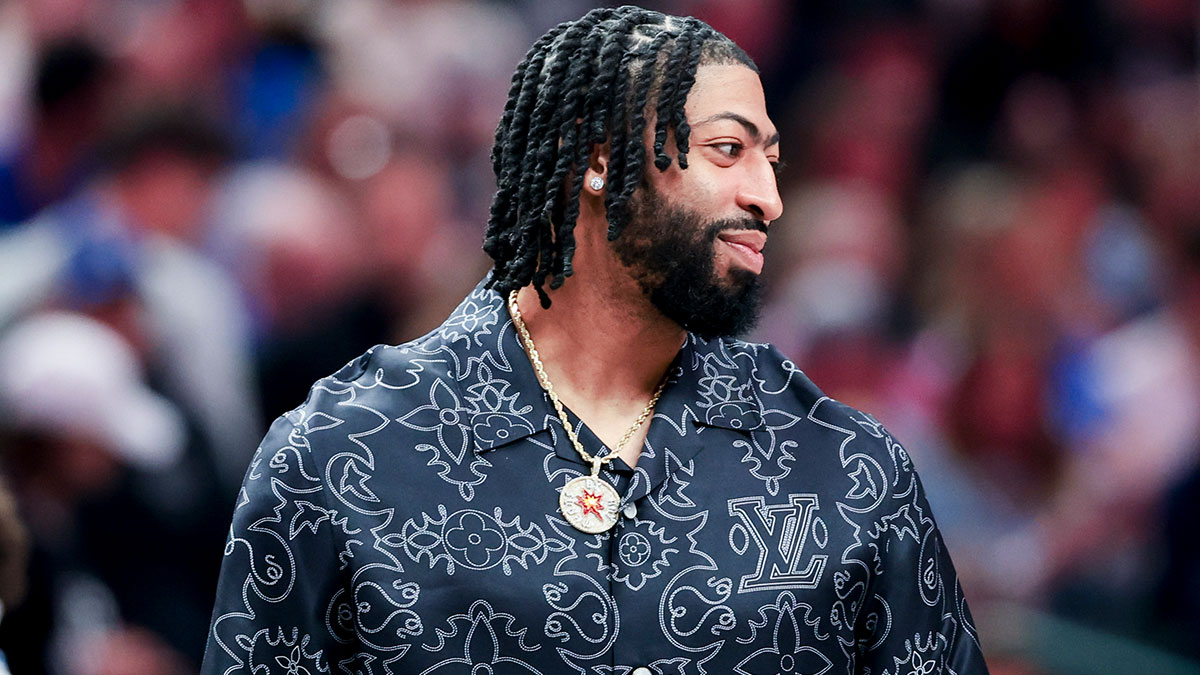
(729,149)
(778,167)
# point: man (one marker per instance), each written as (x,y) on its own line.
(428,510)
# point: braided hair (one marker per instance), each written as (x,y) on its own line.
(583,83)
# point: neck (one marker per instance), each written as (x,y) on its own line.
(601,345)
(605,349)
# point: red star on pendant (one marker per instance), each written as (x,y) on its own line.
(590,503)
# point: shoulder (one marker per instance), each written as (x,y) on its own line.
(388,381)
(384,379)
(767,367)
(775,380)
(790,400)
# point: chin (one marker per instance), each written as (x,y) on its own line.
(736,280)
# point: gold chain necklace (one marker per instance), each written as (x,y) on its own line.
(588,502)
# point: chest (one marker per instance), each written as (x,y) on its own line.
(726,545)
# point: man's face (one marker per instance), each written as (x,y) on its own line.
(695,237)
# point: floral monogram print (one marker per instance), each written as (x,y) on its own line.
(405,519)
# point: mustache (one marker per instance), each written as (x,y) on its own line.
(734,224)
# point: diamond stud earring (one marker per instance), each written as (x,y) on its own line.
(596,183)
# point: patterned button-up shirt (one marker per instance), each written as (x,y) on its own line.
(405,519)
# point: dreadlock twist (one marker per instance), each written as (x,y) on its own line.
(583,83)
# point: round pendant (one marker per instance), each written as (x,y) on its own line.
(589,504)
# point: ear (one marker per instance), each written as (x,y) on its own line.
(595,178)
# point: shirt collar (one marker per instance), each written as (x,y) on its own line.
(709,384)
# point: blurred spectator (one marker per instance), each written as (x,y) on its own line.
(124,248)
(76,412)
(420,253)
(440,70)
(274,90)
(300,256)
(1107,526)
(50,159)
(180,51)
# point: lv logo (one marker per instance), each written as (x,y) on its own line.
(779,531)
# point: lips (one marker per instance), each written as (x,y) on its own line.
(745,247)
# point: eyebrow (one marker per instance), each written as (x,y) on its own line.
(751,127)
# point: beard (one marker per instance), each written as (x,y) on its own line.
(671,253)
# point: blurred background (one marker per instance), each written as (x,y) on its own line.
(991,241)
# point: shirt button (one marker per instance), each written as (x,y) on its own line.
(630,512)
(641,670)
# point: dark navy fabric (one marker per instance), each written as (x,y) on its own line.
(405,520)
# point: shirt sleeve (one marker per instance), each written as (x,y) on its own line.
(280,603)
(914,617)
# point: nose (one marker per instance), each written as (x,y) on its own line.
(759,193)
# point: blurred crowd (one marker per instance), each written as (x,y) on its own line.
(991,241)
